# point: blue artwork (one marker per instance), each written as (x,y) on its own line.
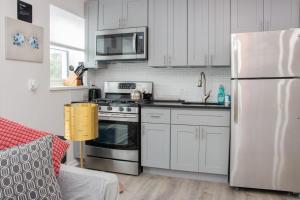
(18,39)
(34,42)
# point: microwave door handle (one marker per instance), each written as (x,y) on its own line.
(134,42)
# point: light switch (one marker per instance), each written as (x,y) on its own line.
(32,85)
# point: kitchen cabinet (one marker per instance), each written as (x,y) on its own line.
(209,32)
(135,13)
(91,14)
(281,14)
(198,32)
(200,149)
(122,14)
(167,33)
(184,147)
(200,140)
(264,15)
(219,33)
(158,32)
(156,145)
(110,14)
(177,35)
(214,150)
(247,16)
(194,140)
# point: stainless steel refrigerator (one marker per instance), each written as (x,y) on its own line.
(265,123)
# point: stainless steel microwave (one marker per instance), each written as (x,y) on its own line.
(122,44)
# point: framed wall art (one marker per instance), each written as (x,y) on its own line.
(23,41)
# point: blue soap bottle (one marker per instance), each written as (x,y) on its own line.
(221,95)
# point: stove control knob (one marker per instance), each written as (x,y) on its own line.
(109,108)
(121,109)
(128,109)
(99,108)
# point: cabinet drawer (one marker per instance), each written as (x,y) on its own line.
(156,115)
(200,117)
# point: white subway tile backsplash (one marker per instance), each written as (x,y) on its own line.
(169,83)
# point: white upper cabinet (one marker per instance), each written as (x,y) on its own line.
(110,14)
(177,37)
(122,14)
(135,13)
(158,32)
(247,16)
(281,14)
(264,15)
(209,32)
(219,32)
(198,32)
(91,14)
(167,33)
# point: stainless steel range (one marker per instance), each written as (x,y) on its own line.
(117,149)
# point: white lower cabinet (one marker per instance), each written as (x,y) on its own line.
(193,140)
(200,149)
(184,147)
(156,145)
(214,150)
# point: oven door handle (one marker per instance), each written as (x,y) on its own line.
(119,118)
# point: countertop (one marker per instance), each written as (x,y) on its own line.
(183,104)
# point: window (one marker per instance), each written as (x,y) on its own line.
(66,43)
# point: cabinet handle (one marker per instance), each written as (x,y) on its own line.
(164,60)
(267,26)
(197,133)
(203,134)
(155,116)
(119,22)
(261,26)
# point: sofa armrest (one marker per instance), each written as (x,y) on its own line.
(78,184)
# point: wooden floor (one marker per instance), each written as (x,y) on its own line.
(149,187)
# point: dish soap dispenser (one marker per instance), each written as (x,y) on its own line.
(221,95)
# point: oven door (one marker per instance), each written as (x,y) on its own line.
(121,44)
(117,132)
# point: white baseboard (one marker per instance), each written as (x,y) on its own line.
(186,175)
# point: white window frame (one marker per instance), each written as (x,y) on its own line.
(59,83)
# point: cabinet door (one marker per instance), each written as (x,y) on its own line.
(281,14)
(214,150)
(219,32)
(247,15)
(91,14)
(198,32)
(184,148)
(158,32)
(110,14)
(135,13)
(156,145)
(177,33)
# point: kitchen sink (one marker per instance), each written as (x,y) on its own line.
(201,103)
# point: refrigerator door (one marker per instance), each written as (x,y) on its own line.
(266,54)
(265,138)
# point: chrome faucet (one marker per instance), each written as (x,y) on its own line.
(202,83)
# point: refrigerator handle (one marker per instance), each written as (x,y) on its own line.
(236,103)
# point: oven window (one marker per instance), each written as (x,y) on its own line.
(117,135)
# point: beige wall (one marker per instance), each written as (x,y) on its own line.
(42,109)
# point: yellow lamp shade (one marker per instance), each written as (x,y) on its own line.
(81,121)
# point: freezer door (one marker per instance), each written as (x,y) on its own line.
(266,54)
(265,140)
